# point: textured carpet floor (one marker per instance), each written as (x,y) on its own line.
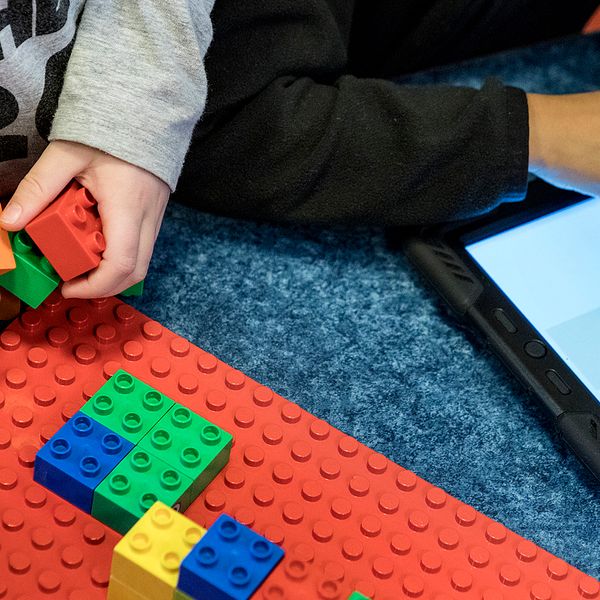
(337,321)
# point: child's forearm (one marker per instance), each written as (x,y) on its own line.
(564,140)
(135,85)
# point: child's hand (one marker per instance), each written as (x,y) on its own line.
(131,202)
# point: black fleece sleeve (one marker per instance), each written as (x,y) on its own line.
(290,135)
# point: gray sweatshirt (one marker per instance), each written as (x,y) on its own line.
(124,76)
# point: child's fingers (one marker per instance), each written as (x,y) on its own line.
(57,165)
(122,229)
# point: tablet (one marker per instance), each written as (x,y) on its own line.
(527,278)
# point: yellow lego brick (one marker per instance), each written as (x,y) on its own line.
(117,590)
(148,557)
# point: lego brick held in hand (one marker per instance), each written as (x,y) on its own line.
(69,232)
(33,279)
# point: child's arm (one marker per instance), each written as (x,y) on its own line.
(133,91)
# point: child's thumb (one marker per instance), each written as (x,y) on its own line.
(44,182)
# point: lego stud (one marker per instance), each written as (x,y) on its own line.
(161,439)
(86,198)
(192,536)
(119,484)
(190,457)
(82,426)
(22,242)
(153,400)
(207,556)
(140,542)
(210,435)
(60,448)
(131,422)
(147,500)
(181,417)
(96,242)
(140,461)
(170,479)
(103,405)
(89,466)
(229,530)
(77,215)
(239,576)
(124,383)
(170,561)
(112,443)
(46,266)
(162,517)
(261,550)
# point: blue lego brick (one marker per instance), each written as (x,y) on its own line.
(77,458)
(228,563)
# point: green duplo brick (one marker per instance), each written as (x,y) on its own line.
(128,406)
(357,596)
(191,444)
(34,279)
(134,485)
(137,289)
(179,595)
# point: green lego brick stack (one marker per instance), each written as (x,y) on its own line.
(134,485)
(176,452)
(33,279)
(190,444)
(128,406)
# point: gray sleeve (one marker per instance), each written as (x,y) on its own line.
(135,85)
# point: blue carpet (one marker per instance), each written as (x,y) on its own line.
(336,320)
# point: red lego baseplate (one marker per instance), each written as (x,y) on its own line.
(348,518)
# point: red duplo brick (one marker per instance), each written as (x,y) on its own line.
(348,518)
(69,232)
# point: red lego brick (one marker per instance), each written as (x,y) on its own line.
(7,259)
(69,233)
(348,518)
(10,305)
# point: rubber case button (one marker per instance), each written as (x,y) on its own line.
(558,381)
(504,320)
(535,349)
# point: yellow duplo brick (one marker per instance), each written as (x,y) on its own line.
(117,590)
(147,559)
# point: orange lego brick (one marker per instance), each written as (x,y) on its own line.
(7,259)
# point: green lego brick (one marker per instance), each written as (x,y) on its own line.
(134,485)
(179,595)
(128,406)
(34,279)
(135,290)
(191,444)
(357,596)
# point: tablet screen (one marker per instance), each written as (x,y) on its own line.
(550,269)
